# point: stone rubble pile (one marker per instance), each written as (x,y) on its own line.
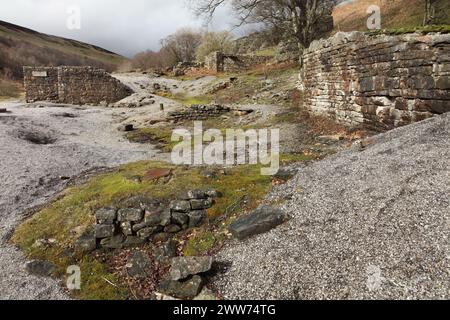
(199,112)
(184,280)
(142,218)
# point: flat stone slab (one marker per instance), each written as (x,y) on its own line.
(187,289)
(183,267)
(40,268)
(260,221)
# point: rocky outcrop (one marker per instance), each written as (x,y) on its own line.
(378,81)
(72,85)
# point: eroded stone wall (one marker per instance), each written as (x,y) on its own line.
(220,62)
(72,85)
(378,81)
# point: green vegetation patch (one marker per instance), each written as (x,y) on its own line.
(9,89)
(186,99)
(72,214)
(161,137)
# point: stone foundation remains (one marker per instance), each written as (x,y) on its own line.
(220,62)
(378,81)
(72,85)
(141,219)
(199,112)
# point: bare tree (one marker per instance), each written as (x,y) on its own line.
(215,41)
(430,12)
(183,44)
(304,20)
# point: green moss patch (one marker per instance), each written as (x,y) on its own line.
(161,137)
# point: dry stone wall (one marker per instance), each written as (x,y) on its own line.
(378,81)
(220,62)
(72,85)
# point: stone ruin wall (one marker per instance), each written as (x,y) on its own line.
(72,85)
(220,62)
(377,81)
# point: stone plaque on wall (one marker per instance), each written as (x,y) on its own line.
(40,74)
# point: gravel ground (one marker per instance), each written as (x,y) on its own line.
(370,224)
(78,139)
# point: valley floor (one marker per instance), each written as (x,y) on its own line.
(369,223)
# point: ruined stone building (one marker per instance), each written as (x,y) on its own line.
(72,85)
(221,62)
(378,81)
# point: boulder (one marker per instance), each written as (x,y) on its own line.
(3,110)
(183,267)
(187,289)
(130,215)
(260,221)
(40,268)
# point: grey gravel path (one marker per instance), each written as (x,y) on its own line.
(84,138)
(365,225)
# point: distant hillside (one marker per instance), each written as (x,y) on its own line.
(21,46)
(395,14)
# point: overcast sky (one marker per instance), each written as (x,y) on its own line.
(123,26)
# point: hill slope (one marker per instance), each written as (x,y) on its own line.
(21,46)
(395,14)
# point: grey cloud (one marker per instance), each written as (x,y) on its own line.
(123,26)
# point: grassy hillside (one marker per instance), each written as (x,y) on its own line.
(20,46)
(395,14)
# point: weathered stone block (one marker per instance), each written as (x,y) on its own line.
(115,242)
(260,221)
(106,215)
(104,231)
(187,289)
(180,218)
(197,218)
(183,267)
(126,228)
(201,204)
(130,215)
(148,232)
(180,206)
